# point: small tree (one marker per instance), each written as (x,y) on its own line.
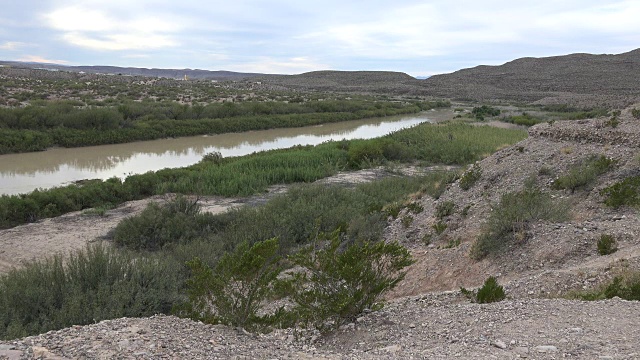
(336,285)
(232,294)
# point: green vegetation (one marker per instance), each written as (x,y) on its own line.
(234,292)
(452,243)
(292,217)
(444,209)
(490,292)
(584,173)
(336,286)
(626,287)
(635,113)
(89,286)
(509,220)
(470,177)
(151,283)
(623,193)
(551,113)
(481,111)
(246,175)
(524,119)
(179,221)
(439,227)
(38,127)
(607,244)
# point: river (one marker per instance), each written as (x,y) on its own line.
(22,173)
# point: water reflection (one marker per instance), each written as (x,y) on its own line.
(21,173)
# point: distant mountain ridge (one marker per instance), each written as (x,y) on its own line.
(581,79)
(532,79)
(195,74)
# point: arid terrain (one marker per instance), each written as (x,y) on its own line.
(426,315)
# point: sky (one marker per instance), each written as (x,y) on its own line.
(420,38)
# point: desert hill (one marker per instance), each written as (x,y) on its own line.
(345,81)
(532,79)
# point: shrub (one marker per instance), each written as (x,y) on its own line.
(407,220)
(444,209)
(337,285)
(470,177)
(626,287)
(331,283)
(453,243)
(90,285)
(465,211)
(484,110)
(635,113)
(584,173)
(439,227)
(607,244)
(490,292)
(623,193)
(233,293)
(177,221)
(213,157)
(415,207)
(509,220)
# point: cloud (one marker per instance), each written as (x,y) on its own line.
(97,29)
(136,56)
(40,59)
(12,45)
(268,65)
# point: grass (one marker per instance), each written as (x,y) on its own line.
(509,220)
(584,173)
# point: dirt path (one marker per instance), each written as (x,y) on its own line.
(69,232)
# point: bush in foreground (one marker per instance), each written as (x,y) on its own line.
(330,283)
(233,292)
(91,285)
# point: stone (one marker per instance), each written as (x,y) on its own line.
(391,349)
(499,344)
(546,349)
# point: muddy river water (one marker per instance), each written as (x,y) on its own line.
(22,173)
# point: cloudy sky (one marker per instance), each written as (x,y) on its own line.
(295,36)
